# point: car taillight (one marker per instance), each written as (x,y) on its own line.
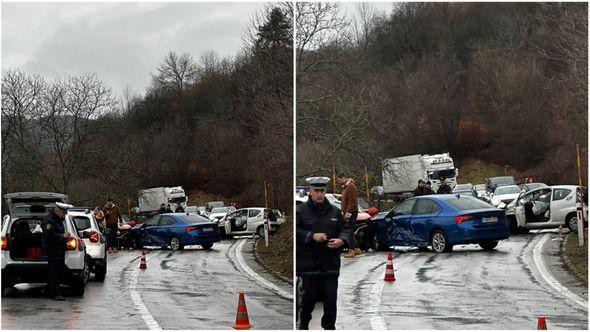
(94,237)
(191,228)
(72,243)
(4,243)
(460,219)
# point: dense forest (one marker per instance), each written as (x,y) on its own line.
(499,83)
(216,126)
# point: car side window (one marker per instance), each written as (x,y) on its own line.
(424,206)
(81,223)
(152,221)
(167,221)
(560,194)
(253,213)
(405,208)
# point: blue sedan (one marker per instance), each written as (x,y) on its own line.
(440,221)
(176,230)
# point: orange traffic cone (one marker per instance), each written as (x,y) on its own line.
(143,264)
(242,321)
(541,323)
(389,275)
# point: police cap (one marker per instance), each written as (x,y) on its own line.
(63,206)
(318,182)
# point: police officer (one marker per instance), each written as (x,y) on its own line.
(444,188)
(321,233)
(54,244)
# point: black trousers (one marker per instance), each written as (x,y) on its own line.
(112,235)
(319,288)
(56,267)
(352,224)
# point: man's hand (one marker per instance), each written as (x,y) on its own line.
(347,215)
(320,237)
(66,235)
(335,243)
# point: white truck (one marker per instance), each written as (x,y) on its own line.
(400,175)
(150,199)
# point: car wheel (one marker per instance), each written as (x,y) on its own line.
(572,223)
(79,283)
(260,231)
(488,245)
(207,245)
(439,242)
(175,244)
(377,245)
(6,284)
(101,271)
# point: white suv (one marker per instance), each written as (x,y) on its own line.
(23,260)
(95,241)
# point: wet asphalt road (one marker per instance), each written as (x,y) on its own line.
(465,289)
(192,289)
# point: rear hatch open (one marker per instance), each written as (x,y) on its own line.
(27,212)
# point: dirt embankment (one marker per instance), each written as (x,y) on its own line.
(278,256)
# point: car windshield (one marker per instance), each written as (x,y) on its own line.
(502,181)
(460,187)
(507,190)
(194,219)
(465,192)
(467,203)
(479,187)
(224,209)
(442,174)
(532,186)
(177,200)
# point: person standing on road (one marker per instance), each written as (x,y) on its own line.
(113,218)
(444,188)
(428,189)
(179,209)
(169,209)
(53,241)
(162,209)
(349,204)
(321,232)
(419,191)
(99,215)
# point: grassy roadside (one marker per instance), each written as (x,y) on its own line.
(577,256)
(278,257)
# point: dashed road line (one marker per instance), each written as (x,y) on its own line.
(255,276)
(538,257)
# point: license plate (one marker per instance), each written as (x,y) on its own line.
(490,219)
(208,229)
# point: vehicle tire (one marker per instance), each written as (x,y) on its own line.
(207,245)
(572,223)
(6,284)
(377,243)
(137,243)
(522,230)
(488,245)
(79,283)
(175,244)
(260,231)
(439,242)
(101,270)
(422,249)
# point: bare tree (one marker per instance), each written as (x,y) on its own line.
(176,71)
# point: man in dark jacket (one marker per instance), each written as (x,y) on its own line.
(321,232)
(162,209)
(444,188)
(419,191)
(53,242)
(428,188)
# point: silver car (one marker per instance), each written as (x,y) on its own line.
(95,241)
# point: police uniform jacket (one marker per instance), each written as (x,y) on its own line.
(53,241)
(314,258)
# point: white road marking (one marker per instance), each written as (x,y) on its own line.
(149,320)
(377,321)
(537,255)
(259,279)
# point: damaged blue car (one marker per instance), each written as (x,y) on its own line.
(440,221)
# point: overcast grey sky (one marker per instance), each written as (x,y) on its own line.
(123,43)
